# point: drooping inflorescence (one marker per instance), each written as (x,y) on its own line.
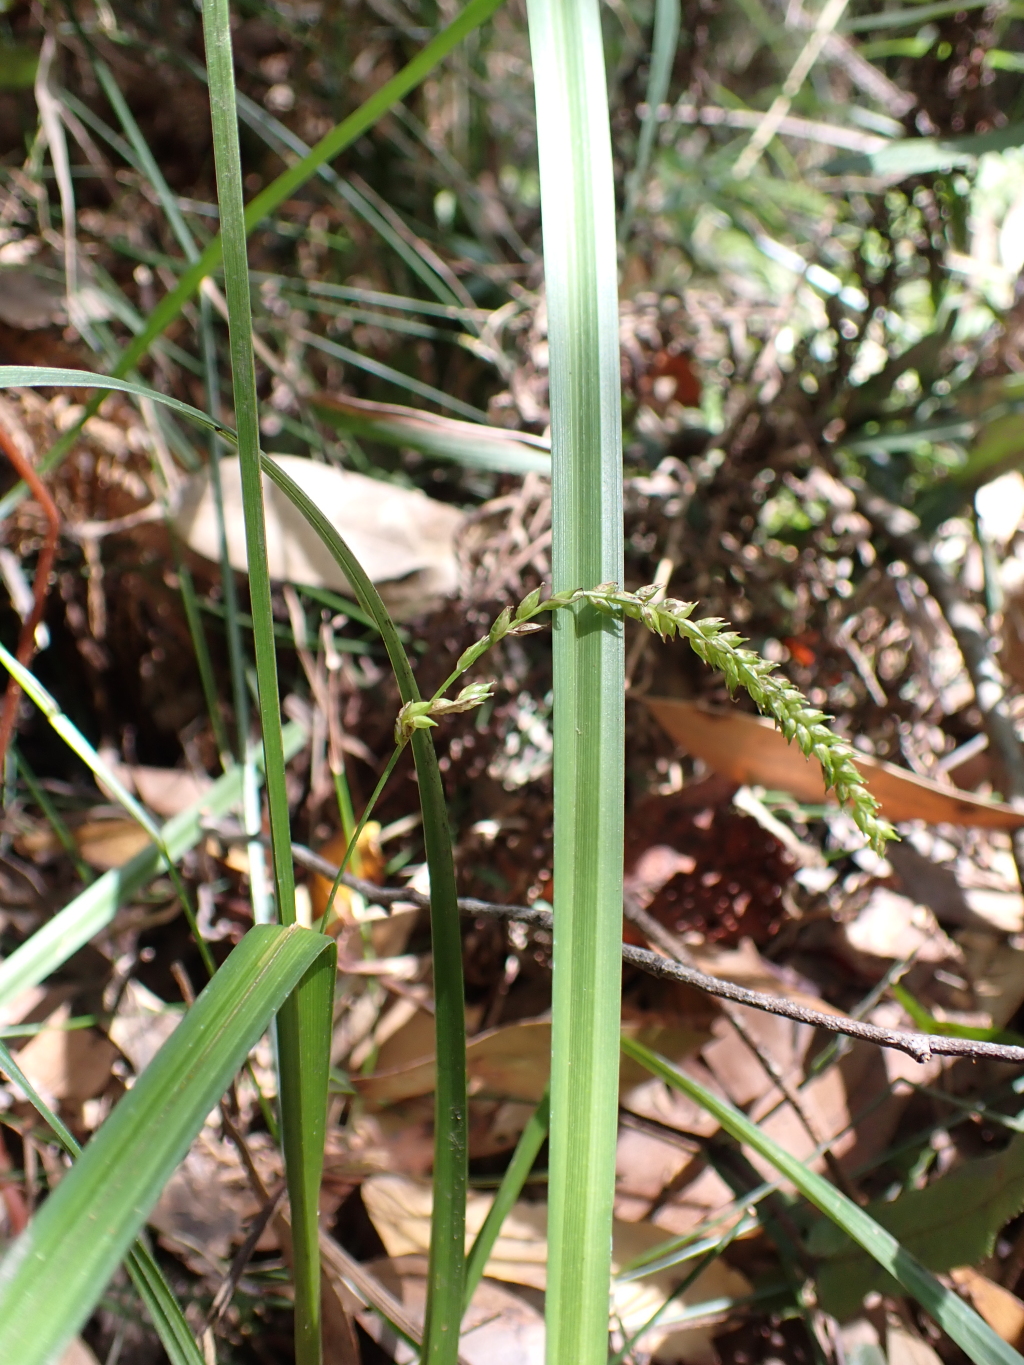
(712,641)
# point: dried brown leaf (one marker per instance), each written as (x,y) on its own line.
(750,751)
(67,1065)
(1003,1311)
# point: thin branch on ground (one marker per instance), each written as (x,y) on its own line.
(226,1292)
(660,937)
(921,1046)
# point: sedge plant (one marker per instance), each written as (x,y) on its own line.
(54,1274)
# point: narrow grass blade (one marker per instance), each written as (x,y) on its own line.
(953,1315)
(392,376)
(145,159)
(531,1140)
(663,52)
(77,742)
(303,1032)
(51,377)
(228,163)
(163,1308)
(330,145)
(204,662)
(578,215)
(285,142)
(441,438)
(54,1273)
(94,908)
(706,1260)
(401,302)
(446,1270)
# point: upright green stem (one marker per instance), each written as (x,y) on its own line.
(446,1271)
(227,157)
(303,1025)
(578,211)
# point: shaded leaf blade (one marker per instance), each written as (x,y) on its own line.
(959,1321)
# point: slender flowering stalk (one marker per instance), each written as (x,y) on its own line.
(717,645)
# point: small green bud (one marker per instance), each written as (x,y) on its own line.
(528,605)
(501,625)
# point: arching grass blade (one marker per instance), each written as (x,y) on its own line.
(53,1275)
(446,1271)
(953,1315)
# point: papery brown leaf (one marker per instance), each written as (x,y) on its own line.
(400,1211)
(751,752)
(103,844)
(512,1062)
(1003,1311)
(67,1065)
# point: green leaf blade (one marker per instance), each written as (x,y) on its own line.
(960,1322)
(446,1269)
(147,1277)
(54,1273)
(581,274)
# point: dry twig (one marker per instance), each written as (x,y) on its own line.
(921,1046)
(656,934)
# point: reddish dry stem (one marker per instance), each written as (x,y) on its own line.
(40,587)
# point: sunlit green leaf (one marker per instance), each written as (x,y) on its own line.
(52,1276)
(581,275)
(961,1323)
(951,1222)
